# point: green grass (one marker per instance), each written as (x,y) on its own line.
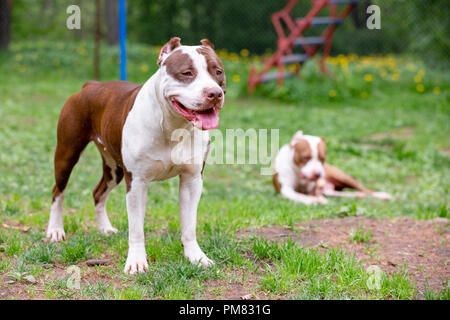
(360,235)
(443,294)
(40,76)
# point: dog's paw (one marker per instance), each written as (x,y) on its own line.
(56,234)
(107,230)
(360,195)
(311,200)
(196,256)
(382,195)
(321,200)
(206,262)
(307,201)
(136,265)
(203,260)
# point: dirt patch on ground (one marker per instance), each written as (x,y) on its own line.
(238,286)
(24,289)
(42,288)
(423,246)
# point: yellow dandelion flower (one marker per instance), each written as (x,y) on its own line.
(222,52)
(292,67)
(352,57)
(368,77)
(418,78)
(234,57)
(420,88)
(332,93)
(19,57)
(436,90)
(365,60)
(144,68)
(236,78)
(245,52)
(364,94)
(332,61)
(396,76)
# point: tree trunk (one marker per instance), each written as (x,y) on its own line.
(112,22)
(98,36)
(359,15)
(5,23)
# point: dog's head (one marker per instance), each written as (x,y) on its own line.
(309,156)
(193,81)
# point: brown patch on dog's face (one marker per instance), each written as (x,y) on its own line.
(322,151)
(214,64)
(180,66)
(302,153)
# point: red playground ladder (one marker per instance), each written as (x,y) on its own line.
(290,37)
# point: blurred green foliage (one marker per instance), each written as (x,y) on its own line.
(417,27)
(361,77)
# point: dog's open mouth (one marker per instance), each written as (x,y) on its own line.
(207,119)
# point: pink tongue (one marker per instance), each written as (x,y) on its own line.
(209,120)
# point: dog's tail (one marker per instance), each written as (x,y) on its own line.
(341,180)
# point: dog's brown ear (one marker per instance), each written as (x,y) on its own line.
(173,43)
(322,138)
(205,42)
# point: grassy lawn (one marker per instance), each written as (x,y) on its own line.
(393,138)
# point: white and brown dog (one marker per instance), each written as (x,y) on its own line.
(301,173)
(131,125)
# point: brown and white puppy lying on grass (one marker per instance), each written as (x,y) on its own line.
(301,173)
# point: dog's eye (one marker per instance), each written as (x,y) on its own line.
(187,73)
(219,72)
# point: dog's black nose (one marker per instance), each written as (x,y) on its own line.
(213,94)
(316,175)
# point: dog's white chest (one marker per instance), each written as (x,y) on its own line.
(164,168)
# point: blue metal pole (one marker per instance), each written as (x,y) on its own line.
(123,39)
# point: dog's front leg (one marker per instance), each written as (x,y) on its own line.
(190,192)
(344,194)
(291,194)
(136,201)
